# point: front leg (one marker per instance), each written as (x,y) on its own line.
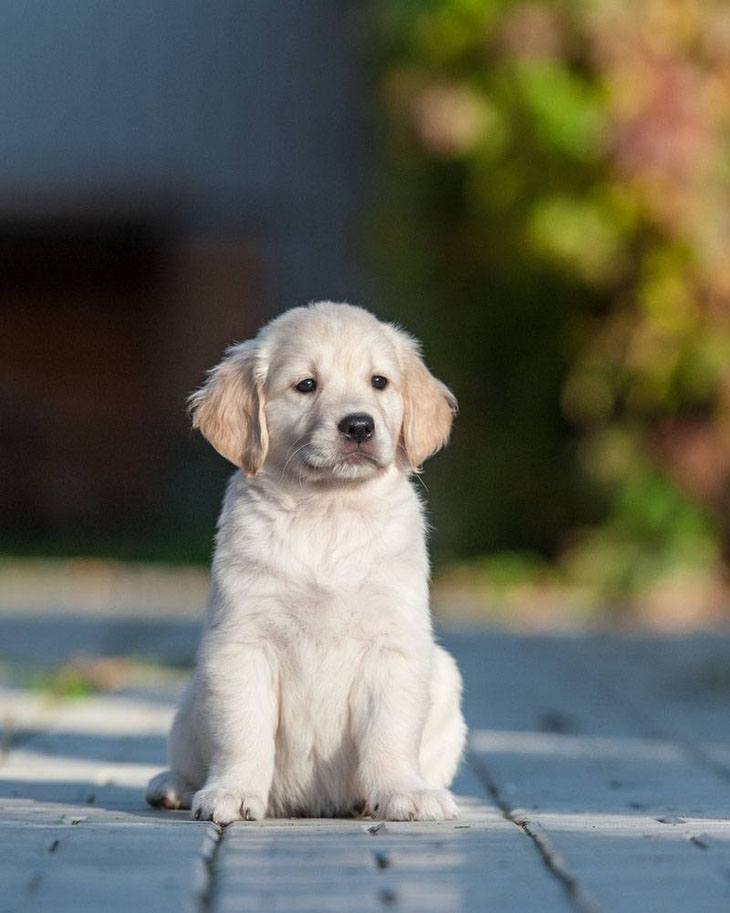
(238,712)
(388,712)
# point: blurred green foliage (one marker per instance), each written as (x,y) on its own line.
(554,219)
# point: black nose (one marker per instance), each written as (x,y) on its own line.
(359,426)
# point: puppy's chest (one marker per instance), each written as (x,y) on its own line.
(335,581)
(326,611)
(322,573)
(338,551)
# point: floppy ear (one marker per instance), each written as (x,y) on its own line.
(229,409)
(429,405)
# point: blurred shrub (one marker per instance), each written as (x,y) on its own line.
(555,220)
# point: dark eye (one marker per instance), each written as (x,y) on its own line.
(306,386)
(379,382)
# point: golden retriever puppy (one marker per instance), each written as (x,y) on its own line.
(319,689)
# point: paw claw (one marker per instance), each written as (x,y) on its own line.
(223,805)
(421,804)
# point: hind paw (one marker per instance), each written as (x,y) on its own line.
(169,790)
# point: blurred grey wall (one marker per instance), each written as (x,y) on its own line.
(245,118)
(171,174)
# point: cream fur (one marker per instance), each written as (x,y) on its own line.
(319,689)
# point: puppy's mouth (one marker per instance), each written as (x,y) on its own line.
(350,456)
(358,458)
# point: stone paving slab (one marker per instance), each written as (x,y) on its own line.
(597,780)
(359,867)
(626,808)
(74,861)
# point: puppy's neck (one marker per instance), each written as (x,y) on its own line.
(269,484)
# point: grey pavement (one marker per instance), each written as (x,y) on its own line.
(597,779)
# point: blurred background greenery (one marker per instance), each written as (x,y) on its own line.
(555,220)
(538,190)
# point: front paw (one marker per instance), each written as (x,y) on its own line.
(412,805)
(222,805)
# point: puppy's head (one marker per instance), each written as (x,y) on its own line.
(324,393)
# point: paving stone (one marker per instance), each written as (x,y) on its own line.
(599,780)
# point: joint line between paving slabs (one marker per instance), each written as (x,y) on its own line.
(553,861)
(206,886)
